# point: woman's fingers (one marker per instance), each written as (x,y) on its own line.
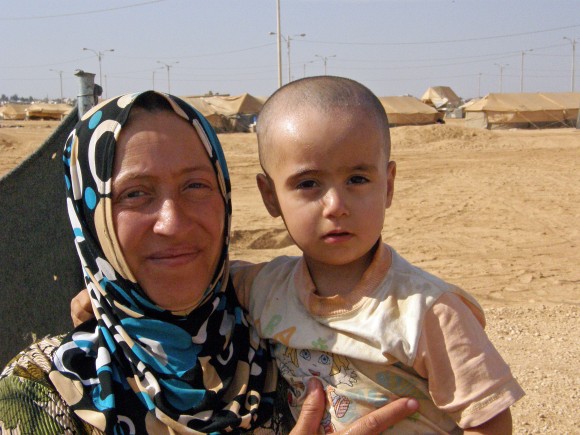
(383,418)
(371,424)
(80,308)
(312,410)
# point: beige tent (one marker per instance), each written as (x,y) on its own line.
(228,113)
(48,111)
(524,110)
(13,111)
(408,110)
(441,97)
(218,121)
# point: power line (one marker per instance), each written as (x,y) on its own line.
(98,11)
(448,41)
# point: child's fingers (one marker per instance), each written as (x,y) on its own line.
(80,308)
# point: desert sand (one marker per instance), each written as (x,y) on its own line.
(495,212)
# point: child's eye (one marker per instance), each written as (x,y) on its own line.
(324,359)
(358,179)
(305,354)
(307,184)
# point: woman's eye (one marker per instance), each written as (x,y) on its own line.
(134,194)
(358,179)
(307,184)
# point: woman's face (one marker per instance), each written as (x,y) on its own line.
(168,210)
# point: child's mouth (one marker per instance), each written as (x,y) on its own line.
(337,236)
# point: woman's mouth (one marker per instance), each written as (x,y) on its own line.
(173,257)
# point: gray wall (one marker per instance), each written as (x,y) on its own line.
(39,267)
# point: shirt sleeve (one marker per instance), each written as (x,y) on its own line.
(468,379)
(242,275)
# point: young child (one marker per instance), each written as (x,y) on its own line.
(351,311)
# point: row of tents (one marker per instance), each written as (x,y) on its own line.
(48,111)
(239,113)
(521,110)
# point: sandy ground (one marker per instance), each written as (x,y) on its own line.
(496,212)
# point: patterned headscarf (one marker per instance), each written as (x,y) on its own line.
(137,367)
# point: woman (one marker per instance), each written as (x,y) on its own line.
(170,349)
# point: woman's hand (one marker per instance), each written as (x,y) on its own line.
(371,424)
(80,308)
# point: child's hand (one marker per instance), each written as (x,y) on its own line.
(371,424)
(80,308)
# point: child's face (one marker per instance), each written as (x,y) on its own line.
(331,183)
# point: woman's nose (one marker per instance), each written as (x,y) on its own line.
(170,218)
(334,203)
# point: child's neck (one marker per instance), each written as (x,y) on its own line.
(333,280)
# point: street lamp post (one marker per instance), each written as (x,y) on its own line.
(99,55)
(325,60)
(501,67)
(60,74)
(287,39)
(522,69)
(153,77)
(573,42)
(168,67)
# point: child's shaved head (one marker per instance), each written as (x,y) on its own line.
(327,94)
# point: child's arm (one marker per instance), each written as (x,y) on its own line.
(80,308)
(468,379)
(499,425)
(242,274)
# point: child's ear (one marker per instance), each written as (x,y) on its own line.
(268,192)
(391,173)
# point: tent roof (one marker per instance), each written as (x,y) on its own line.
(49,108)
(14,108)
(526,102)
(440,95)
(406,105)
(228,106)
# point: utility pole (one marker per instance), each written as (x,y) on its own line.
(99,55)
(168,66)
(279,43)
(501,67)
(287,39)
(60,74)
(573,42)
(325,60)
(522,69)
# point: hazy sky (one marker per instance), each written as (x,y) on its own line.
(395,47)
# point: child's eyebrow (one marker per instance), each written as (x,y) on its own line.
(363,167)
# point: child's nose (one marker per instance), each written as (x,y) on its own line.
(170,218)
(334,203)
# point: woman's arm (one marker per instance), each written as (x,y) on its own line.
(377,421)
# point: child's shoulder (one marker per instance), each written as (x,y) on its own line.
(250,279)
(407,279)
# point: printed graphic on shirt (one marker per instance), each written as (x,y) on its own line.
(299,365)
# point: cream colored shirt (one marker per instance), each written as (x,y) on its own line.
(400,332)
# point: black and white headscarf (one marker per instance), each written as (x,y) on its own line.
(138,368)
